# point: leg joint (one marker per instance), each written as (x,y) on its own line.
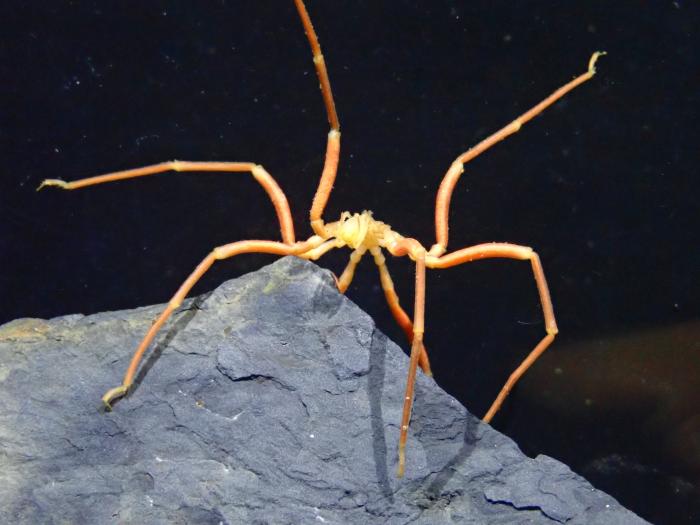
(258,172)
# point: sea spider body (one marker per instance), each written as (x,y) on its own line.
(361,233)
(362,229)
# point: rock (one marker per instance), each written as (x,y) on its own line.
(273,399)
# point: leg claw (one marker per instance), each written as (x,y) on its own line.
(53,182)
(113,394)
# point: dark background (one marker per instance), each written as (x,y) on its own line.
(603,185)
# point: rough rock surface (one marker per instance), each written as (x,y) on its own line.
(273,399)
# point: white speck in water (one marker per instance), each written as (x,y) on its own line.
(234,418)
(150,500)
(159,460)
(311,436)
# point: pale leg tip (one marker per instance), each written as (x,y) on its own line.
(402,465)
(594,58)
(52,182)
(112,394)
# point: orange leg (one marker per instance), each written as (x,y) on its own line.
(320,64)
(442,203)
(416,351)
(321,250)
(222,252)
(277,196)
(392,299)
(346,277)
(510,251)
(330,166)
(397,311)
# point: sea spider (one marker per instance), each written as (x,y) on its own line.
(362,233)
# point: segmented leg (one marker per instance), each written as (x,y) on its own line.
(392,299)
(330,167)
(222,252)
(416,351)
(349,272)
(442,202)
(277,196)
(397,311)
(509,251)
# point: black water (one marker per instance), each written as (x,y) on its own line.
(603,185)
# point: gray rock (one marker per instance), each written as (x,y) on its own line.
(274,399)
